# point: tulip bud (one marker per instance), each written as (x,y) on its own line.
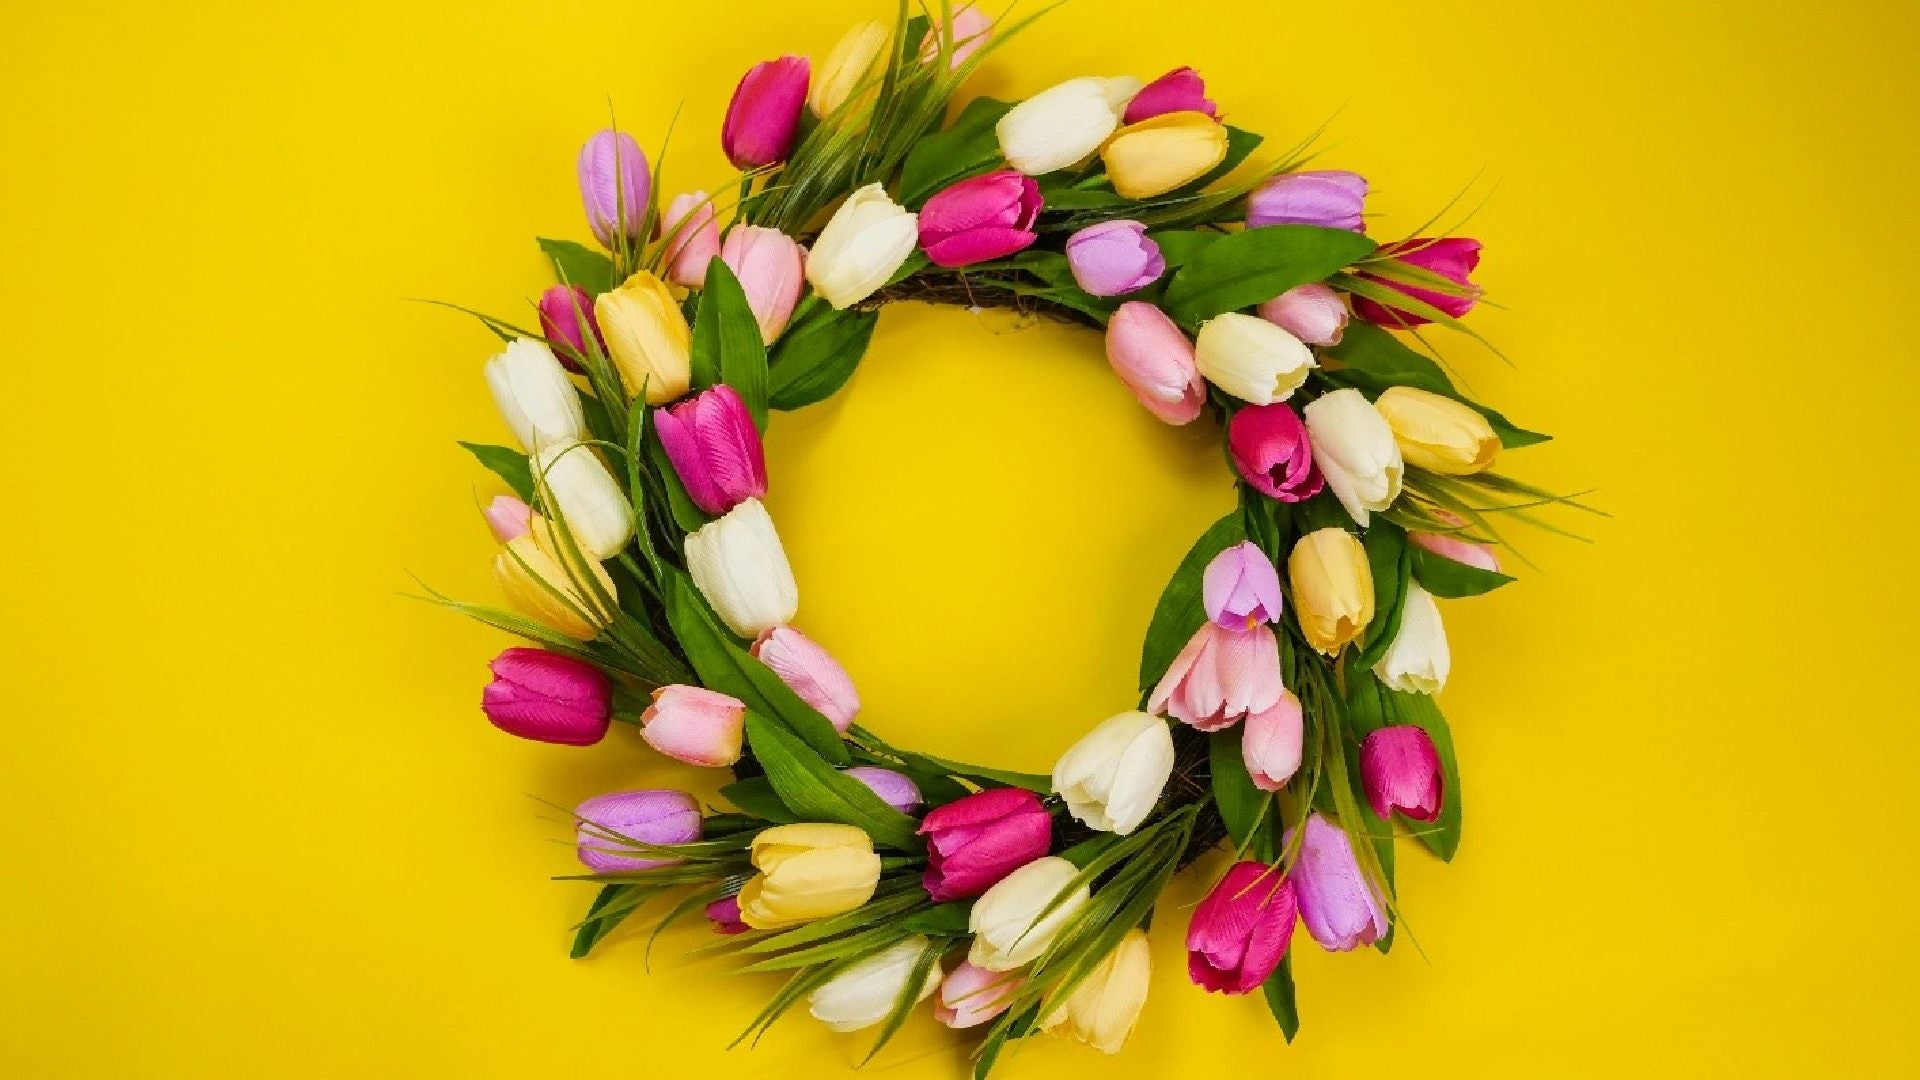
(1418,660)
(1179,90)
(552,590)
(534,395)
(1111,778)
(724,914)
(1401,771)
(1221,676)
(566,320)
(1270,449)
(811,673)
(693,238)
(1008,926)
(507,518)
(865,241)
(1063,124)
(1270,743)
(1332,588)
(1252,359)
(1337,903)
(980,218)
(1102,1010)
(615,186)
(1165,152)
(1453,258)
(742,570)
(648,337)
(590,501)
(768,264)
(807,872)
(694,725)
(714,448)
(1239,933)
(976,840)
(1355,450)
(1437,433)
(1330,199)
(548,698)
(658,817)
(895,789)
(851,63)
(764,115)
(1313,313)
(1471,554)
(970,31)
(1155,361)
(1240,588)
(1114,258)
(971,996)
(864,994)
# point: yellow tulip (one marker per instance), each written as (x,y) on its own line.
(648,337)
(808,872)
(1102,1010)
(850,62)
(1437,433)
(1163,152)
(1332,588)
(536,581)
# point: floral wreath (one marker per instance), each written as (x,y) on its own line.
(1288,716)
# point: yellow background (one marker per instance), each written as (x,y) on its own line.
(252,822)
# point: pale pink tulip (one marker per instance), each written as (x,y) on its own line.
(971,28)
(1270,743)
(695,725)
(507,518)
(971,995)
(1480,556)
(1221,676)
(810,672)
(1313,313)
(1155,360)
(693,238)
(770,266)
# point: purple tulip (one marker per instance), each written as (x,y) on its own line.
(1240,932)
(1330,199)
(724,913)
(974,841)
(1313,313)
(1114,258)
(1241,589)
(566,318)
(655,816)
(1453,258)
(1179,90)
(1336,902)
(895,789)
(764,115)
(615,186)
(1401,771)
(980,218)
(714,448)
(547,697)
(810,672)
(1269,447)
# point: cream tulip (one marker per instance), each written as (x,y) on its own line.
(534,395)
(1063,124)
(1102,1010)
(648,337)
(1438,433)
(865,241)
(1163,152)
(1332,588)
(536,581)
(849,64)
(1355,450)
(1251,358)
(1418,660)
(807,871)
(863,995)
(741,568)
(1113,776)
(588,499)
(1011,922)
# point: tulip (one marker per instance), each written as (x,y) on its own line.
(1114,258)
(1155,360)
(590,501)
(1355,450)
(548,698)
(1332,588)
(1453,258)
(1241,930)
(865,993)
(648,337)
(770,267)
(1330,199)
(764,115)
(811,673)
(850,63)
(742,570)
(1418,660)
(1401,771)
(1179,90)
(714,448)
(1102,1010)
(970,31)
(1168,151)
(1011,922)
(550,589)
(614,827)
(980,218)
(865,241)
(534,395)
(1337,903)
(976,840)
(507,518)
(724,913)
(1251,358)
(1240,588)
(566,320)
(1270,448)
(807,872)
(1313,313)
(615,186)
(693,238)
(1437,433)
(1063,124)
(971,996)
(1111,778)
(895,789)
(1480,556)
(695,725)
(1270,743)
(1221,676)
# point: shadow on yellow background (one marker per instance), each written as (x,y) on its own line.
(252,823)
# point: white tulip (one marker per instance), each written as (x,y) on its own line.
(1008,926)
(1418,660)
(1063,124)
(588,498)
(742,570)
(1251,358)
(534,395)
(1112,777)
(865,993)
(1102,1010)
(1356,452)
(865,241)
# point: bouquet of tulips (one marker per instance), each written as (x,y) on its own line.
(1287,716)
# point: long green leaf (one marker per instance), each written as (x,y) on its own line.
(969,146)
(1249,267)
(1452,580)
(816,791)
(726,342)
(818,354)
(1240,803)
(506,463)
(1372,359)
(1279,993)
(577,264)
(1386,545)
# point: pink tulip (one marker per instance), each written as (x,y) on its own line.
(1401,771)
(655,816)
(1241,589)
(1313,313)
(1155,360)
(764,115)
(714,448)
(974,841)
(1336,902)
(1480,556)
(1330,198)
(971,996)
(1179,90)
(1270,743)
(566,318)
(694,725)
(810,672)
(724,913)
(980,218)
(693,238)
(1113,258)
(615,186)
(508,518)
(1453,258)
(548,698)
(970,31)
(1221,676)
(895,789)
(1240,932)
(769,265)
(1269,447)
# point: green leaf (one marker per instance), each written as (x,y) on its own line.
(1279,993)
(817,355)
(1371,705)
(1452,580)
(1249,267)
(1372,359)
(967,147)
(726,342)
(577,264)
(755,795)
(1181,611)
(941,919)
(1386,545)
(507,464)
(609,909)
(1240,803)
(816,791)
(1181,246)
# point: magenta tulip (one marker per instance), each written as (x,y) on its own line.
(1270,743)
(695,725)
(1270,449)
(1340,908)
(1221,676)
(764,115)
(714,448)
(1330,199)
(971,995)
(724,913)
(980,218)
(1453,258)
(508,518)
(566,319)
(693,238)
(547,697)
(1240,932)
(1240,588)
(810,672)
(1313,313)
(609,822)
(615,186)
(770,267)
(1114,258)
(1480,556)
(974,841)
(895,789)
(1179,90)
(1401,771)
(1155,360)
